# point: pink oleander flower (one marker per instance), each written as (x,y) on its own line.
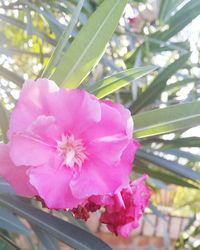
(135,24)
(124,209)
(66,145)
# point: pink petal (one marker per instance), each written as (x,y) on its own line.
(103,178)
(125,116)
(108,149)
(75,110)
(110,124)
(45,129)
(125,165)
(53,186)
(29,151)
(31,104)
(15,176)
(94,179)
(127,229)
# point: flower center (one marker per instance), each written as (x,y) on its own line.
(72,150)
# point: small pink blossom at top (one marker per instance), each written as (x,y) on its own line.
(135,24)
(66,145)
(124,209)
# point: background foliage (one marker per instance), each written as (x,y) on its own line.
(164,102)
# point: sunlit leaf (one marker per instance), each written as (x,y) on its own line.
(166,120)
(179,20)
(58,52)
(158,84)
(167,8)
(22,25)
(112,83)
(89,45)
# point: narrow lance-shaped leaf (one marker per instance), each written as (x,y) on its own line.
(169,165)
(22,25)
(167,8)
(112,83)
(10,222)
(181,153)
(74,221)
(10,244)
(178,21)
(47,241)
(166,120)
(58,52)
(165,176)
(158,84)
(172,88)
(73,236)
(89,45)
(3,122)
(50,18)
(11,76)
(192,141)
(5,187)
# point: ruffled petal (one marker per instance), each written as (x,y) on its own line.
(98,178)
(53,186)
(109,125)
(29,151)
(93,179)
(126,117)
(108,149)
(45,129)
(31,104)
(75,110)
(15,176)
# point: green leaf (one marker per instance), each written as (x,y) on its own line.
(10,52)
(47,241)
(181,153)
(57,54)
(164,176)
(169,165)
(22,25)
(172,88)
(3,122)
(10,222)
(60,229)
(11,76)
(166,9)
(132,55)
(179,142)
(166,120)
(74,221)
(50,18)
(9,242)
(89,45)
(112,83)
(5,187)
(156,46)
(178,21)
(158,84)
